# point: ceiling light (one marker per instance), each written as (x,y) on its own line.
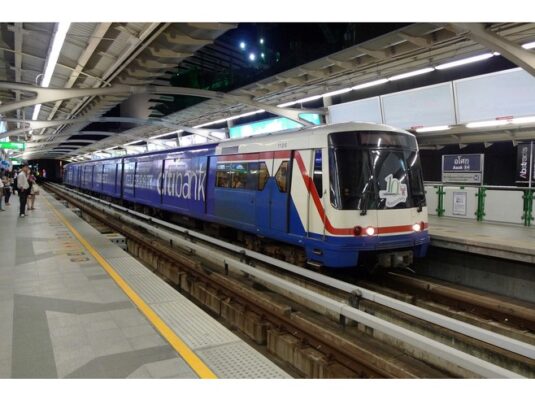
(528,46)
(311,98)
(410,74)
(132,143)
(290,103)
(370,84)
(523,120)
(261,40)
(262,55)
(464,61)
(336,92)
(433,128)
(52,58)
(252,56)
(242,45)
(484,124)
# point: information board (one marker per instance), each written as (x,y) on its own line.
(462,168)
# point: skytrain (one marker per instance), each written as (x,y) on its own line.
(335,196)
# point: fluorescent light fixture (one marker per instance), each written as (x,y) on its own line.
(523,120)
(131,143)
(464,61)
(165,134)
(242,45)
(484,124)
(528,46)
(370,84)
(52,59)
(411,74)
(433,128)
(111,148)
(336,92)
(311,98)
(252,56)
(290,103)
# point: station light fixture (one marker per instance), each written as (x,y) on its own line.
(523,120)
(411,74)
(243,45)
(288,104)
(262,55)
(311,98)
(132,143)
(529,45)
(52,59)
(261,40)
(464,61)
(336,92)
(433,128)
(370,84)
(487,124)
(252,56)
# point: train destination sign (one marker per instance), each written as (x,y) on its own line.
(462,168)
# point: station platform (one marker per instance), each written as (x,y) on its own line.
(75,305)
(508,241)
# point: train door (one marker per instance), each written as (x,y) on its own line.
(280,193)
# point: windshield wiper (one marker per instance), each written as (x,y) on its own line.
(365,193)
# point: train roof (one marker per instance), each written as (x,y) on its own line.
(254,143)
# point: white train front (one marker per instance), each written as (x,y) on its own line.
(347,194)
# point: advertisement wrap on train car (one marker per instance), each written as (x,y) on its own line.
(184,183)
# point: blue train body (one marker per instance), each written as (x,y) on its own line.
(281,196)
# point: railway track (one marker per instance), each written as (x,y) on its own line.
(339,336)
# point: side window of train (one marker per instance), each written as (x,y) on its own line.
(318,175)
(222,175)
(238,172)
(263,175)
(282,177)
(251,182)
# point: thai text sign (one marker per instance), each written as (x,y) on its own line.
(462,168)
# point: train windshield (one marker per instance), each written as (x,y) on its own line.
(374,171)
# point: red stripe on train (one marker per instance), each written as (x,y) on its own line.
(265,155)
(309,183)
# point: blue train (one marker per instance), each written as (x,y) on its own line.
(336,193)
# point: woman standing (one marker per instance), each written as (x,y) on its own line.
(33,191)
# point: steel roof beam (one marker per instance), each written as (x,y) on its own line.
(513,52)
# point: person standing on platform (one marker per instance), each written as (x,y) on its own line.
(24,189)
(1,193)
(34,190)
(15,187)
(8,182)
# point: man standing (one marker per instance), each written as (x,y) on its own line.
(24,189)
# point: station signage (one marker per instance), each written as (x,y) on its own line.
(462,168)
(13,145)
(524,162)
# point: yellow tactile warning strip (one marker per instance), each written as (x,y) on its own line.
(200,368)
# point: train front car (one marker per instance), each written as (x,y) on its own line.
(371,207)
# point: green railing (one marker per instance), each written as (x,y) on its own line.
(481,194)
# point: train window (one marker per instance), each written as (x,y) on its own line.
(252,177)
(238,173)
(263,175)
(282,177)
(222,175)
(318,176)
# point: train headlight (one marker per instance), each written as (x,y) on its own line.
(357,230)
(370,231)
(417,227)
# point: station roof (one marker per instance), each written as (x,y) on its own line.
(100,54)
